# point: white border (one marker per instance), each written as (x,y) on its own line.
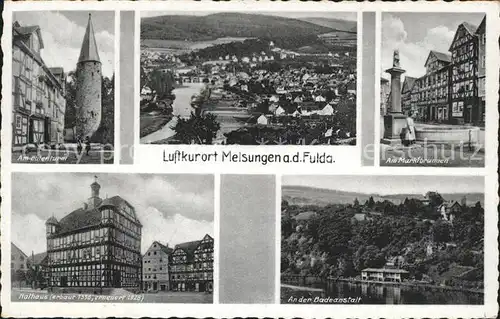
(489,309)
(116,91)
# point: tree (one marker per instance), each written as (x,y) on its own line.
(356,202)
(19,276)
(197,129)
(435,199)
(370,203)
(263,107)
(161,83)
(334,233)
(70,96)
(441,232)
(368,257)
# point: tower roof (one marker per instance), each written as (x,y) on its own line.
(95,183)
(89,50)
(52,221)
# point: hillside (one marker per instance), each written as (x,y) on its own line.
(209,27)
(301,195)
(336,24)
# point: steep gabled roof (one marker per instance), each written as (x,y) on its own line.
(167,250)
(38,258)
(89,50)
(26,31)
(188,247)
(482,26)
(470,28)
(440,56)
(18,249)
(408,83)
(56,71)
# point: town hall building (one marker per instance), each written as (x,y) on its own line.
(96,246)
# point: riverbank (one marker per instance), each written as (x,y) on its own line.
(301,288)
(161,130)
(412,284)
(152,123)
(390,283)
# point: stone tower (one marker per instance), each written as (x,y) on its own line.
(88,86)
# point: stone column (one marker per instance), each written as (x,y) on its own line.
(395,88)
(395,120)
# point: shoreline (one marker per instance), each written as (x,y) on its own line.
(388,283)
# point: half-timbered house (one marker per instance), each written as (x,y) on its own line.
(431,93)
(464,88)
(97,245)
(192,265)
(38,92)
(481,68)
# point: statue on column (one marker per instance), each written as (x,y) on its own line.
(395,59)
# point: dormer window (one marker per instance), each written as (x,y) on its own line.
(35,43)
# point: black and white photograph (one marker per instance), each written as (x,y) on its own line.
(432,89)
(112,238)
(259,78)
(382,240)
(63,87)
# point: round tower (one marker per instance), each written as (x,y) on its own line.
(88,86)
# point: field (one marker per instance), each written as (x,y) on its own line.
(187,45)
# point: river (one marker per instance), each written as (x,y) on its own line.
(375,293)
(181,107)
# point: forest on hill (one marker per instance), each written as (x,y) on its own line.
(212,26)
(337,24)
(340,240)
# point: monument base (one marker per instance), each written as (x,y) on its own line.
(394,128)
(391,141)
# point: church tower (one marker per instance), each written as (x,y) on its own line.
(88,86)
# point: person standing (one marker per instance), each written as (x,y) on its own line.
(410,130)
(79,146)
(87,144)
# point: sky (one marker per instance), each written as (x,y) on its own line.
(62,35)
(334,15)
(415,34)
(171,208)
(387,185)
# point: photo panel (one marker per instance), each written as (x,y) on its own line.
(145,238)
(380,239)
(221,194)
(248,78)
(432,89)
(63,87)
